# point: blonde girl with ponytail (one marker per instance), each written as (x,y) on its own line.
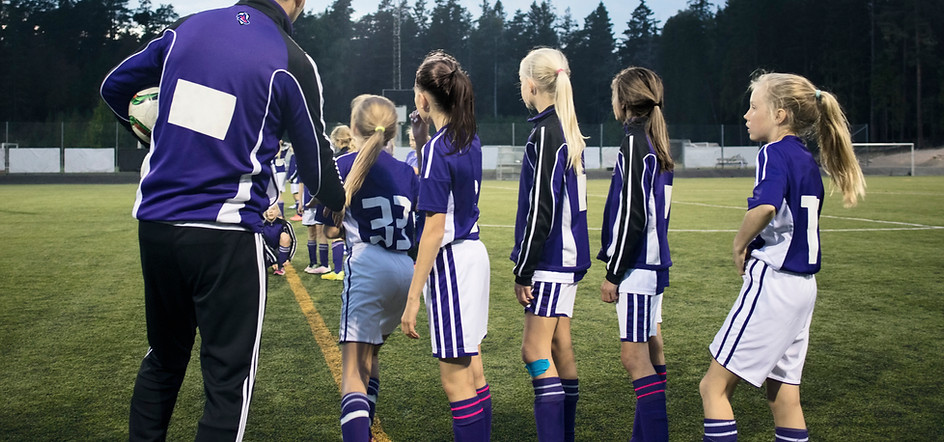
(377,225)
(777,251)
(552,247)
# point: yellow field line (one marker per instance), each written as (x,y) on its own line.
(326,342)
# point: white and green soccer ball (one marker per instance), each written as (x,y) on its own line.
(142,113)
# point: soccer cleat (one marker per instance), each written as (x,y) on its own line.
(331,276)
(320,270)
(278,272)
(297,217)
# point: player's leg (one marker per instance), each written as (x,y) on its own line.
(285,248)
(458,381)
(784,401)
(312,248)
(716,389)
(373,382)
(171,329)
(229,266)
(636,322)
(482,390)
(356,361)
(562,348)
(538,359)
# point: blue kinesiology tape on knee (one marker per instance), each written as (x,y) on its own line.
(537,367)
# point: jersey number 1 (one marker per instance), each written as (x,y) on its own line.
(811,204)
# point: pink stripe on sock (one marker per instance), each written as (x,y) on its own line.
(469,405)
(468,415)
(651,392)
(647,386)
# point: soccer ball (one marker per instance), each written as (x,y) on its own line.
(142,113)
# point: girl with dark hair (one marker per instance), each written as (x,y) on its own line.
(451,262)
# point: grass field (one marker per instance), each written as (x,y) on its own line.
(72,325)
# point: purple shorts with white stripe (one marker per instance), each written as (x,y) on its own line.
(456,298)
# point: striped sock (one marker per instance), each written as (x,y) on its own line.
(355,417)
(792,435)
(485,398)
(571,395)
(662,372)
(323,254)
(337,255)
(373,390)
(312,253)
(283,255)
(720,430)
(468,420)
(650,406)
(548,408)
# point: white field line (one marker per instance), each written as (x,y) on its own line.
(910,226)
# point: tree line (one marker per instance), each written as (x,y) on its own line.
(881,57)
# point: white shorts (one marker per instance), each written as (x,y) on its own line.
(294,188)
(456,296)
(280,181)
(376,284)
(767,332)
(308,218)
(638,316)
(552,299)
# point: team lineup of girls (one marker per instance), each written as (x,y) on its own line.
(432,207)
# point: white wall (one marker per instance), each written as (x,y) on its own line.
(700,156)
(34,160)
(90,160)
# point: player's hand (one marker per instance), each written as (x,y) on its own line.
(608,292)
(523,293)
(740,258)
(419,127)
(408,319)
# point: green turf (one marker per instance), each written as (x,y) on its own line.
(72,326)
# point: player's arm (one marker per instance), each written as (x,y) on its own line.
(140,70)
(430,242)
(540,216)
(302,105)
(754,222)
(632,219)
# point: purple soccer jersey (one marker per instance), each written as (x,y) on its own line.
(636,215)
(450,183)
(381,212)
(551,226)
(788,179)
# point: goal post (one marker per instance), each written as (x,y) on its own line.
(892,155)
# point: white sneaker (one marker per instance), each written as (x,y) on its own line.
(320,270)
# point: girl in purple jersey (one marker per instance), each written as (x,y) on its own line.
(635,243)
(776,252)
(378,229)
(451,262)
(552,248)
(279,239)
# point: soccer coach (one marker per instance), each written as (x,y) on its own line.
(232,83)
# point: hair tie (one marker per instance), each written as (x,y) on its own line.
(560,70)
(380,129)
(819,95)
(657,104)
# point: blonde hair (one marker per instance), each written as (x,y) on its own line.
(550,72)
(374,120)
(341,137)
(638,92)
(812,112)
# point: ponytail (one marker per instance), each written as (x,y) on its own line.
(638,92)
(374,117)
(441,76)
(549,70)
(836,152)
(812,112)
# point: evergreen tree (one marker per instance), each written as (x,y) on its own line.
(639,46)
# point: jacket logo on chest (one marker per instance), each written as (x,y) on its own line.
(242,18)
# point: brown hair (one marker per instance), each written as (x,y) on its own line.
(638,92)
(341,137)
(812,112)
(374,119)
(441,76)
(550,72)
